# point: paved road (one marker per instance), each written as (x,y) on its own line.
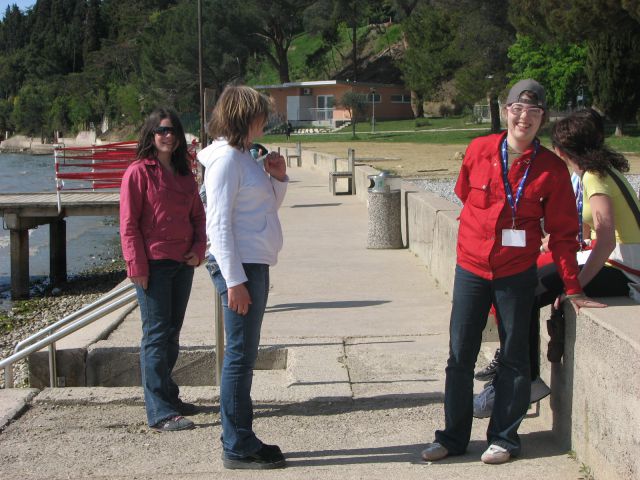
(365,333)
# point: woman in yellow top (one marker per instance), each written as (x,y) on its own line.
(610,225)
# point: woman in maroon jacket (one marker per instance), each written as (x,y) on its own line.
(162,230)
(508,183)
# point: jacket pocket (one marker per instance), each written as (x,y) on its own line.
(479,193)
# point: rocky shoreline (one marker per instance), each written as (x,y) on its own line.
(48,305)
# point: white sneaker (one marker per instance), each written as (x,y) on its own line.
(495,455)
(434,452)
(483,402)
(539,390)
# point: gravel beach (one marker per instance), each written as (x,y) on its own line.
(48,305)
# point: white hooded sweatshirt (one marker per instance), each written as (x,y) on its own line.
(242,210)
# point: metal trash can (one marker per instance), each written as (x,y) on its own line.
(384,207)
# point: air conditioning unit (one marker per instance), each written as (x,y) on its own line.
(306,91)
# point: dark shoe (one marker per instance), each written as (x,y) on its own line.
(555,329)
(269,456)
(186,409)
(173,424)
(488,372)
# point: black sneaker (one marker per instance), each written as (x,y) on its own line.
(555,329)
(488,372)
(186,409)
(268,457)
(173,424)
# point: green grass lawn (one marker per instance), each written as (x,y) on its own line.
(451,130)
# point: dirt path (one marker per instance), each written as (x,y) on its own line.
(412,159)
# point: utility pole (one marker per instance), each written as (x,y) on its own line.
(373,110)
(203,139)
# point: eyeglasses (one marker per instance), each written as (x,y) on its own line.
(520,108)
(164,131)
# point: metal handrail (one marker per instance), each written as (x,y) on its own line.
(66,326)
(73,316)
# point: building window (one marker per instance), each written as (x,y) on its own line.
(325,101)
(404,98)
(371,100)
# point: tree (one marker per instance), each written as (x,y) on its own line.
(433,56)
(613,69)
(356,104)
(326,16)
(403,10)
(483,39)
(560,67)
(600,25)
(28,108)
(278,22)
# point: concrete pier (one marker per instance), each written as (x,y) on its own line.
(23,211)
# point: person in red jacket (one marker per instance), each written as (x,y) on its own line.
(508,183)
(162,230)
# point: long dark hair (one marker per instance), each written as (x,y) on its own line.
(581,137)
(147,146)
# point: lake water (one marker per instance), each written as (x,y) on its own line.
(89,239)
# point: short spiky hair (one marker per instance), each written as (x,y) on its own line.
(235,111)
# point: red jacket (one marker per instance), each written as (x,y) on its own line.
(547,195)
(161,216)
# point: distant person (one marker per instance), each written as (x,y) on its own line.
(507,183)
(245,234)
(289,129)
(162,229)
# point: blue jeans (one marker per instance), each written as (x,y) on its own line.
(242,335)
(513,297)
(162,308)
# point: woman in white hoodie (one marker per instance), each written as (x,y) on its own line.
(243,197)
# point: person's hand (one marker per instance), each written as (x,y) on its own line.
(191,259)
(579,301)
(275,166)
(544,248)
(239,299)
(142,281)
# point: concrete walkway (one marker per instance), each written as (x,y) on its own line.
(365,337)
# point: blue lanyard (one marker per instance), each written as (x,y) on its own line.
(513,202)
(579,206)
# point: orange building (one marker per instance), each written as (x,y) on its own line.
(318,103)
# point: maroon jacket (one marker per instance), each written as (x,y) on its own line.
(161,216)
(547,195)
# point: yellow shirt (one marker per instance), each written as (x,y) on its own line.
(626,226)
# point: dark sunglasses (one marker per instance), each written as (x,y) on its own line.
(164,131)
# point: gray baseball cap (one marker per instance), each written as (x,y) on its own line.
(527,85)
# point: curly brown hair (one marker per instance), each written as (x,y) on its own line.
(581,137)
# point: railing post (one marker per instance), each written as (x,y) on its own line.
(219,321)
(8,376)
(53,372)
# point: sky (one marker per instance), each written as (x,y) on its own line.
(22,4)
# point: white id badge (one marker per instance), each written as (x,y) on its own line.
(513,238)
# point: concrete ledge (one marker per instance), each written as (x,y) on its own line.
(108,365)
(71,351)
(13,401)
(594,408)
(315,371)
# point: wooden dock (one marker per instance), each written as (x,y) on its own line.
(22,211)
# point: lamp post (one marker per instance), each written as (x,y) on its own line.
(203,140)
(373,110)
